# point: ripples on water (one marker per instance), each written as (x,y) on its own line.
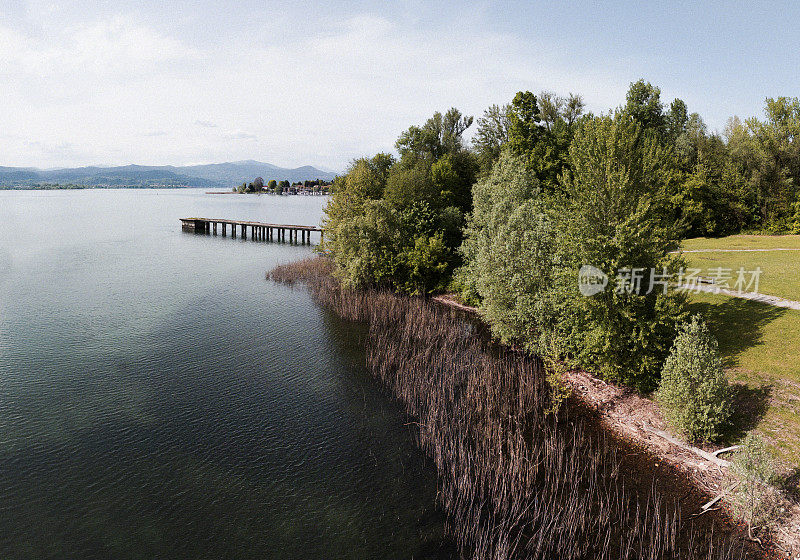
(160,399)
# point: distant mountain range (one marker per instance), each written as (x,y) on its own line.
(215,175)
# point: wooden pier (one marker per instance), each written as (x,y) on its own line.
(259,231)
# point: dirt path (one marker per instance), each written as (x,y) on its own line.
(762,298)
(737,250)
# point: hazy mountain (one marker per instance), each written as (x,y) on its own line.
(216,175)
(237,172)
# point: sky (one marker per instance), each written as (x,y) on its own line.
(294,83)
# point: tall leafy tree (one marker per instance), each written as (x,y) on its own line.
(643,104)
(540,131)
(397,223)
(492,134)
(617,186)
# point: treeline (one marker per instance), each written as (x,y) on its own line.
(545,189)
(284,186)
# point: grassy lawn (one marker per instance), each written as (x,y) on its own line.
(780,274)
(761,348)
(760,343)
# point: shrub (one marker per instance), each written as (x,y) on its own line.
(755,500)
(694,392)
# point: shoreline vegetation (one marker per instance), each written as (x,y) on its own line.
(562,228)
(518,479)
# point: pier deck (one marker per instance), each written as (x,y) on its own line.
(259,231)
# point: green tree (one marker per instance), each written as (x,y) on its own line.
(492,134)
(524,124)
(540,131)
(694,394)
(643,104)
(441,134)
(617,188)
(396,224)
(769,153)
(510,257)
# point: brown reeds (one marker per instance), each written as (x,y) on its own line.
(516,481)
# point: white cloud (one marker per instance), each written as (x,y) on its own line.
(239,136)
(106,90)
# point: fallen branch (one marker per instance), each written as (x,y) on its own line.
(752,538)
(704,454)
(718,452)
(706,506)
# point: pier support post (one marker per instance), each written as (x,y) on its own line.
(244,231)
(224,227)
(215,228)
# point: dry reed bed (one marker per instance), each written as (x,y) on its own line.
(516,481)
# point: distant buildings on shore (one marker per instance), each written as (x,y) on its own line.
(307,187)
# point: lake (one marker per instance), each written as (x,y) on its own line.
(159,398)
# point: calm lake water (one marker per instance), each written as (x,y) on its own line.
(160,399)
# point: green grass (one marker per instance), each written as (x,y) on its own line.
(780,274)
(761,348)
(760,343)
(744,242)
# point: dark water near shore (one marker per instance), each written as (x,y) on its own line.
(160,399)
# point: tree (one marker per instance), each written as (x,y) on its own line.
(258,184)
(540,132)
(694,394)
(435,167)
(643,105)
(441,134)
(769,153)
(510,256)
(677,119)
(617,188)
(396,224)
(491,136)
(524,120)
(272,184)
